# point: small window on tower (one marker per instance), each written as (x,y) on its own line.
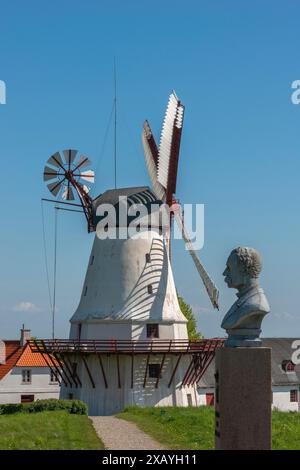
(92,260)
(152,330)
(154,371)
(148,258)
(85,291)
(150,289)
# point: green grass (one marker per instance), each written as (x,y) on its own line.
(286,430)
(175,428)
(48,430)
(193,428)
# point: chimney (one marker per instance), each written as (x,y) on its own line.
(25,335)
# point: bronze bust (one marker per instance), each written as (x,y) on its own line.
(243,321)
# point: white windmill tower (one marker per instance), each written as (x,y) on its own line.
(128,338)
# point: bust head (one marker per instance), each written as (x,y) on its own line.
(243,264)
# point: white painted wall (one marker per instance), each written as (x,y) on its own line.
(281,398)
(117,280)
(102,401)
(11,386)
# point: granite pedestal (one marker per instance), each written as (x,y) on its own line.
(243,398)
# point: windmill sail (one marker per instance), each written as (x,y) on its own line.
(151,157)
(210,286)
(162,166)
(168,154)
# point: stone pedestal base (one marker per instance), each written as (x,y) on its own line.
(243,399)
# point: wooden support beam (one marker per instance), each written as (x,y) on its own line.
(198,365)
(74,369)
(88,371)
(102,369)
(69,368)
(174,370)
(132,370)
(203,369)
(52,362)
(56,375)
(62,368)
(146,371)
(189,369)
(160,370)
(118,369)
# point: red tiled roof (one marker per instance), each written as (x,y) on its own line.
(30,359)
(13,351)
(18,356)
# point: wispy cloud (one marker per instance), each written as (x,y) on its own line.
(200,309)
(26,307)
(284,316)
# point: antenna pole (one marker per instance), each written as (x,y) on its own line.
(115,134)
(54,272)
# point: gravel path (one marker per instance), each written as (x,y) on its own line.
(117,434)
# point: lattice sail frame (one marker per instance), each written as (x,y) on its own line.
(162,164)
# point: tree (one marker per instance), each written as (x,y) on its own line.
(189,315)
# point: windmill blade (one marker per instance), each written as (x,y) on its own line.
(68,194)
(88,175)
(86,189)
(83,162)
(168,154)
(56,160)
(151,157)
(50,173)
(55,187)
(209,285)
(70,155)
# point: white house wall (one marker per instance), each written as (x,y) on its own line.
(281,398)
(11,386)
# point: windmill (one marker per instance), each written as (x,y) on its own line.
(162,164)
(128,341)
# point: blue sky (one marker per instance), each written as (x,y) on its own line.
(232,64)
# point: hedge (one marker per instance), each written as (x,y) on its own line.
(72,406)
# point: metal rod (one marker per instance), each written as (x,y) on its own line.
(54,273)
(55,201)
(115,123)
(69,210)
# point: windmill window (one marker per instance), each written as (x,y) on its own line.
(79,330)
(92,260)
(148,258)
(152,330)
(85,291)
(154,371)
(150,289)
(293,396)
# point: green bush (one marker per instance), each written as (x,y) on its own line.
(72,406)
(11,408)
